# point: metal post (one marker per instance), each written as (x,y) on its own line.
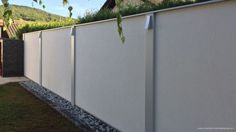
(73,35)
(149,73)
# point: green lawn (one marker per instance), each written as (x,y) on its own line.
(20,111)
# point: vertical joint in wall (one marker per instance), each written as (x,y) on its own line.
(72,45)
(149,73)
(23,37)
(40,58)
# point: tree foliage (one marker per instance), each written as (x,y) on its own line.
(30,14)
(121,11)
(8,14)
(119,20)
(70,8)
(118,16)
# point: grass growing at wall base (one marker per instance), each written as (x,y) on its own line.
(22,112)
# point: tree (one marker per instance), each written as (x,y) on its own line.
(7,15)
(70,8)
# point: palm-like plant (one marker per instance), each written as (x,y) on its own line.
(65,2)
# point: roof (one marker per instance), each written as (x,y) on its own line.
(1,23)
(109,4)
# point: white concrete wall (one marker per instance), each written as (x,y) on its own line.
(195,60)
(32,56)
(56,72)
(110,76)
(195,68)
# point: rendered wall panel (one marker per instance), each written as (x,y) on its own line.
(56,62)
(110,76)
(32,56)
(195,68)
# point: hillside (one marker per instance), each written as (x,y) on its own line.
(31,14)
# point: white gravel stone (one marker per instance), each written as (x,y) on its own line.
(78,116)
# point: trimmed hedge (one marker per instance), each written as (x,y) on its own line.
(37,26)
(104,14)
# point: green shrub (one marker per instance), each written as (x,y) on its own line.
(104,14)
(36,26)
(97,16)
(135,9)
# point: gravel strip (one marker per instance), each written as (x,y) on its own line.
(78,116)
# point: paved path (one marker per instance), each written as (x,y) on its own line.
(12,79)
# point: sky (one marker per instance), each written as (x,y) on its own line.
(80,7)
